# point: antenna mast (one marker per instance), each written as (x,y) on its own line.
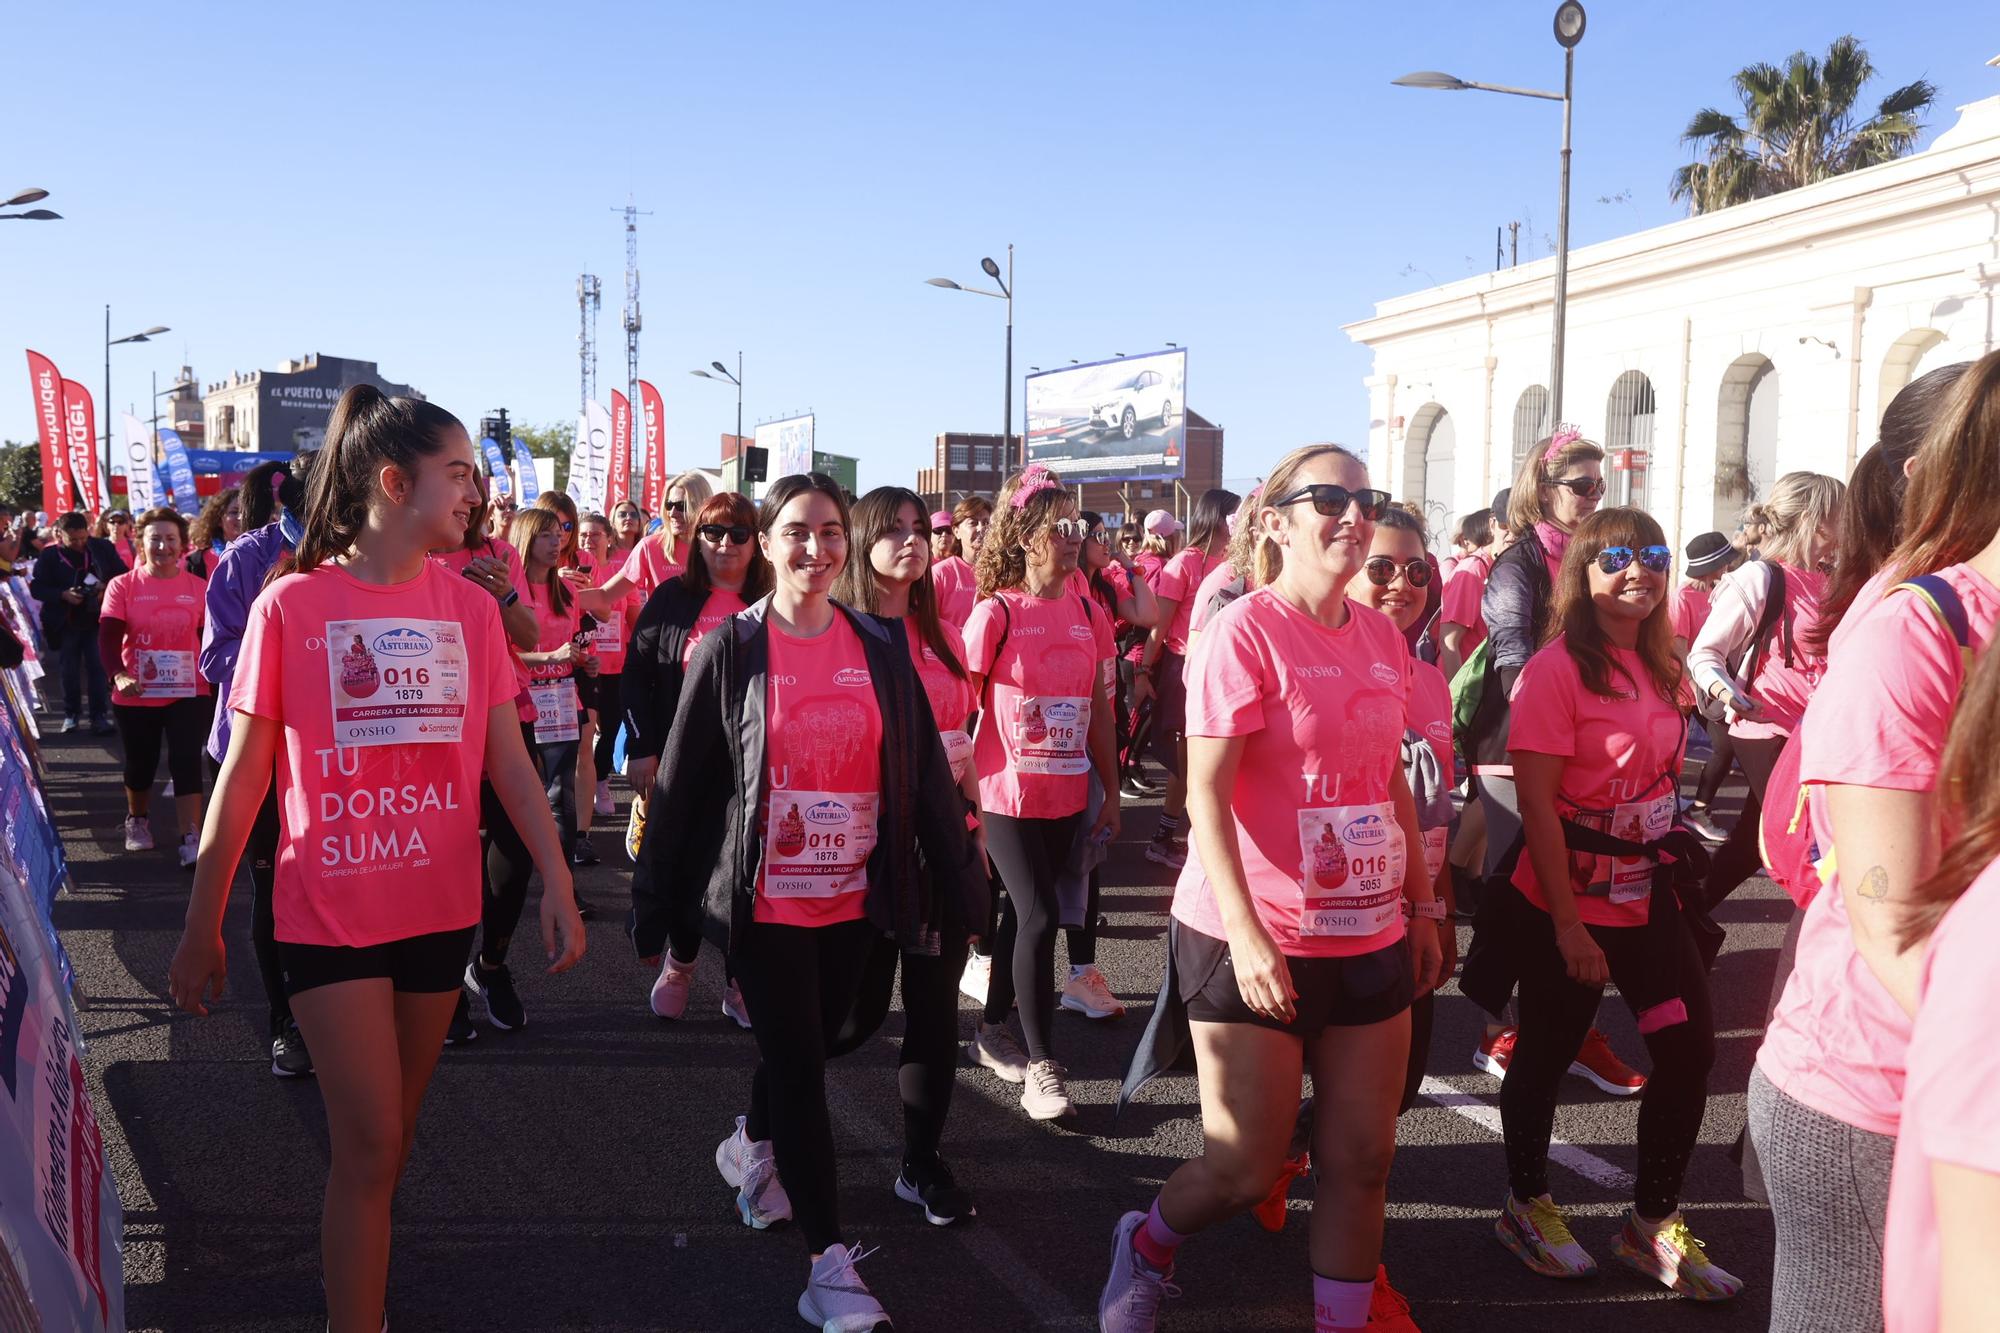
(589,296)
(631,319)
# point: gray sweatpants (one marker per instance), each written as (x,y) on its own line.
(1829,1190)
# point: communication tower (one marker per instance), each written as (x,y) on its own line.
(631,319)
(589,296)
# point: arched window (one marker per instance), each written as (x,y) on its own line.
(1531,423)
(1428,475)
(1628,439)
(1746,437)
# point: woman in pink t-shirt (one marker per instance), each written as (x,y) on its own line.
(1289,951)
(1462,627)
(658,557)
(601,694)
(1596,736)
(376,684)
(1041,655)
(628,526)
(957,584)
(150,629)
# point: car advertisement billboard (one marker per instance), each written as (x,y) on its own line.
(1111,420)
(790,442)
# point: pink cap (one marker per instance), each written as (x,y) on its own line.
(941,519)
(1162,524)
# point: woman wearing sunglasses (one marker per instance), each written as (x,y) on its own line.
(628,527)
(1597,737)
(1041,661)
(115,526)
(662,555)
(726,571)
(1288,949)
(1752,662)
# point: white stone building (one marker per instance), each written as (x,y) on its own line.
(1709,355)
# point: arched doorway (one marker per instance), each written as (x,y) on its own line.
(1531,423)
(1628,439)
(1746,437)
(1428,453)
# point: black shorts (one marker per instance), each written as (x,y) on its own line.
(1169,710)
(420,965)
(1333,992)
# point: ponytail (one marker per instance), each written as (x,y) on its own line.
(367,431)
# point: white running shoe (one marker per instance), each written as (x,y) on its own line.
(1045,1096)
(733,1007)
(138,834)
(603,804)
(1089,994)
(670,991)
(836,1300)
(749,1167)
(994,1047)
(1703,823)
(978,975)
(1169,852)
(190,844)
(1130,1302)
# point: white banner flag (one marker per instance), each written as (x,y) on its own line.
(137,459)
(590,458)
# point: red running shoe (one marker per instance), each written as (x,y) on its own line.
(1270,1214)
(1494,1051)
(1389,1309)
(1595,1062)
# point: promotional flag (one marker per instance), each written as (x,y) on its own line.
(652,419)
(46,382)
(180,471)
(80,445)
(590,457)
(138,465)
(524,471)
(618,481)
(496,465)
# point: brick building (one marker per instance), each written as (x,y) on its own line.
(973,465)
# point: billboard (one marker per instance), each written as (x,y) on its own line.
(1117,420)
(791,444)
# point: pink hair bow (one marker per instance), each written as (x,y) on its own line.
(1562,439)
(1034,480)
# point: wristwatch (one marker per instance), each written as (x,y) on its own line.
(1432,908)
(513,596)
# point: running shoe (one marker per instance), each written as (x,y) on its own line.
(1595,1062)
(581,853)
(1702,822)
(503,1003)
(1494,1051)
(1539,1235)
(978,975)
(635,828)
(190,845)
(1170,852)
(102,727)
(289,1057)
(670,991)
(1270,1214)
(733,1007)
(753,1172)
(1130,1301)
(932,1189)
(1133,789)
(994,1047)
(1674,1258)
(836,1300)
(461,1030)
(138,834)
(71,724)
(1389,1309)
(1088,993)
(1044,1095)
(603,805)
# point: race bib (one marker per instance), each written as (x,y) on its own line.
(555,711)
(397,682)
(166,675)
(1351,863)
(816,843)
(958,750)
(1049,735)
(1629,879)
(1434,852)
(609,636)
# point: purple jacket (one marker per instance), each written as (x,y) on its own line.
(233,584)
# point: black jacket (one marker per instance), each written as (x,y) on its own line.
(703,843)
(1515,608)
(651,684)
(58,569)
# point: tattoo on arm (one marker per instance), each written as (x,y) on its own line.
(1874,885)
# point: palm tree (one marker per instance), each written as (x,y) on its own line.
(1797,127)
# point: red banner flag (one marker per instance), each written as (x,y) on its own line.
(46,382)
(80,441)
(620,484)
(653,422)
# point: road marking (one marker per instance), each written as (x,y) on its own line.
(1586,1164)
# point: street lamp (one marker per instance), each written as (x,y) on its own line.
(1569,26)
(144,335)
(722,374)
(32,215)
(1006,293)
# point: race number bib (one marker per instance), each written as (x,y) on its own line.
(609,636)
(165,675)
(1351,862)
(1629,879)
(1049,735)
(1434,852)
(958,750)
(397,682)
(816,843)
(555,711)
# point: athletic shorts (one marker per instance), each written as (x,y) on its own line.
(1333,992)
(1169,710)
(420,965)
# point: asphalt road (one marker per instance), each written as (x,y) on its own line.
(563,1176)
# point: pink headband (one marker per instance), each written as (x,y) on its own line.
(1034,480)
(1562,439)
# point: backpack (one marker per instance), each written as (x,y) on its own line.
(1468,691)
(1774,615)
(1785,835)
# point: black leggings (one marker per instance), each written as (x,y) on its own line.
(509,865)
(261,851)
(928,1066)
(801,983)
(1722,758)
(1742,855)
(183,724)
(1556,1013)
(610,717)
(1083,938)
(1029,854)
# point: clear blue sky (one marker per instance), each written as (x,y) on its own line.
(421,185)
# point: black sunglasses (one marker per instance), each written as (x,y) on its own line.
(677,507)
(735,533)
(1584,488)
(1381,570)
(1330,501)
(1614,558)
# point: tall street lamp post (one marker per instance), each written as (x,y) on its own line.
(722,374)
(109,343)
(1569,25)
(1006,293)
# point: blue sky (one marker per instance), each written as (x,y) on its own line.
(421,184)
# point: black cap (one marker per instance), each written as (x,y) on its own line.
(1500,502)
(1710,553)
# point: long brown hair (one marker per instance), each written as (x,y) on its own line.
(529,524)
(1003,556)
(563,508)
(1969,793)
(860,587)
(207,526)
(731,510)
(368,430)
(1574,617)
(1953,507)
(1525,506)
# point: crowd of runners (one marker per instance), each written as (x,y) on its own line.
(877,755)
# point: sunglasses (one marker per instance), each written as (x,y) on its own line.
(1097,535)
(567,527)
(736,534)
(1614,558)
(1382,570)
(678,508)
(1583,488)
(1330,501)
(1070,529)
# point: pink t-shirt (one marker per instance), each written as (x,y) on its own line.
(1688,610)
(1837,1040)
(1178,583)
(1951,1100)
(1204,596)
(721,605)
(822,781)
(1462,592)
(1622,774)
(1321,713)
(384,695)
(613,634)
(1783,690)
(950,695)
(1871,593)
(162,643)
(651,563)
(1033,749)
(456,562)
(957,588)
